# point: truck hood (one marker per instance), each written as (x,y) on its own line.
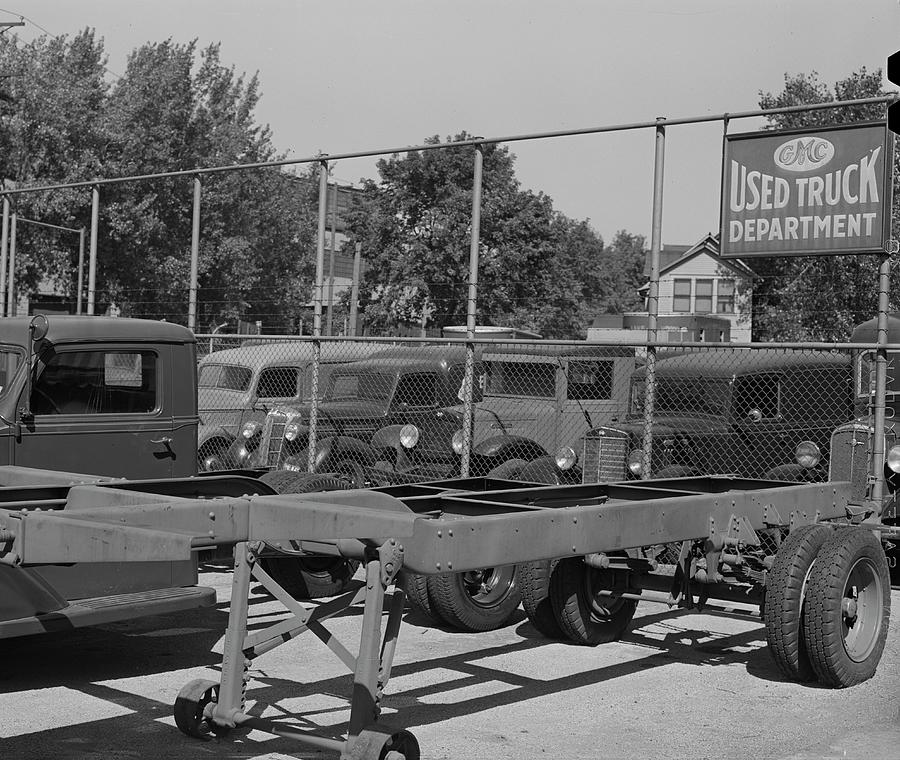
(667,426)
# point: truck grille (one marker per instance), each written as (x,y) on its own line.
(604,456)
(849,456)
(272,441)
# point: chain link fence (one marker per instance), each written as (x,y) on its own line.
(379,412)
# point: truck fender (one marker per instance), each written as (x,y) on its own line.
(332,450)
(387,438)
(544,470)
(503,447)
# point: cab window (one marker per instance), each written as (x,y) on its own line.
(589,380)
(278,382)
(10,359)
(531,379)
(758,392)
(97,382)
(418,389)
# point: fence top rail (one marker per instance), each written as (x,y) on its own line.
(476,141)
(389,340)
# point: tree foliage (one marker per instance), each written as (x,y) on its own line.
(538,269)
(818,298)
(174,109)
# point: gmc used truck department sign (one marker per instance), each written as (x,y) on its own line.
(801,193)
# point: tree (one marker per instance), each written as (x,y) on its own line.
(538,269)
(174,109)
(818,298)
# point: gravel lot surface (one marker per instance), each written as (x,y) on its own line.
(677,685)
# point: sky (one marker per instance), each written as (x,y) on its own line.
(342,76)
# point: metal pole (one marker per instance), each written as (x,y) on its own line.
(195,256)
(317,316)
(468,382)
(4,253)
(354,291)
(653,296)
(81,234)
(329,321)
(11,273)
(881,337)
(92,265)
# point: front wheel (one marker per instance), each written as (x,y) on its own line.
(307,577)
(848,606)
(476,600)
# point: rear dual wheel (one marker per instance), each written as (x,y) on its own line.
(828,604)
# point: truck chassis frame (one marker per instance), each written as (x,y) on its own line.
(450,526)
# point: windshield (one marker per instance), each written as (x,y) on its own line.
(228,376)
(684,396)
(359,386)
(10,359)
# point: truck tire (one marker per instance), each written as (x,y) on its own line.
(584,616)
(848,607)
(416,587)
(786,589)
(212,456)
(308,577)
(534,583)
(477,600)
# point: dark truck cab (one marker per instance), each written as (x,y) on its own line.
(89,400)
(765,413)
(114,397)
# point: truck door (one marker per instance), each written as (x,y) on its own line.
(99,410)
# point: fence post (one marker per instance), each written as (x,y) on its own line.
(4,253)
(653,296)
(11,272)
(317,316)
(81,233)
(881,337)
(354,291)
(92,266)
(471,305)
(195,255)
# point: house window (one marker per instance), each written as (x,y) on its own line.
(725,297)
(681,298)
(703,300)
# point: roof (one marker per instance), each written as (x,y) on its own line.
(415,358)
(290,352)
(867,332)
(744,362)
(80,329)
(553,351)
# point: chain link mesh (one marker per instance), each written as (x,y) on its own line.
(383,412)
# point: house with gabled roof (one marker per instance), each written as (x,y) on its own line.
(695,281)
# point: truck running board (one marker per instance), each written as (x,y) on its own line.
(107,609)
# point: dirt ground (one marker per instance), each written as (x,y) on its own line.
(677,685)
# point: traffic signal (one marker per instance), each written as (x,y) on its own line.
(893,75)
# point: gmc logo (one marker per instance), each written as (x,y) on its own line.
(803,154)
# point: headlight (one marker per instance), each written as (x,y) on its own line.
(893,459)
(251,428)
(807,454)
(636,462)
(409,436)
(291,431)
(565,458)
(457,441)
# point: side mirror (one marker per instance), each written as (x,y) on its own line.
(38,329)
